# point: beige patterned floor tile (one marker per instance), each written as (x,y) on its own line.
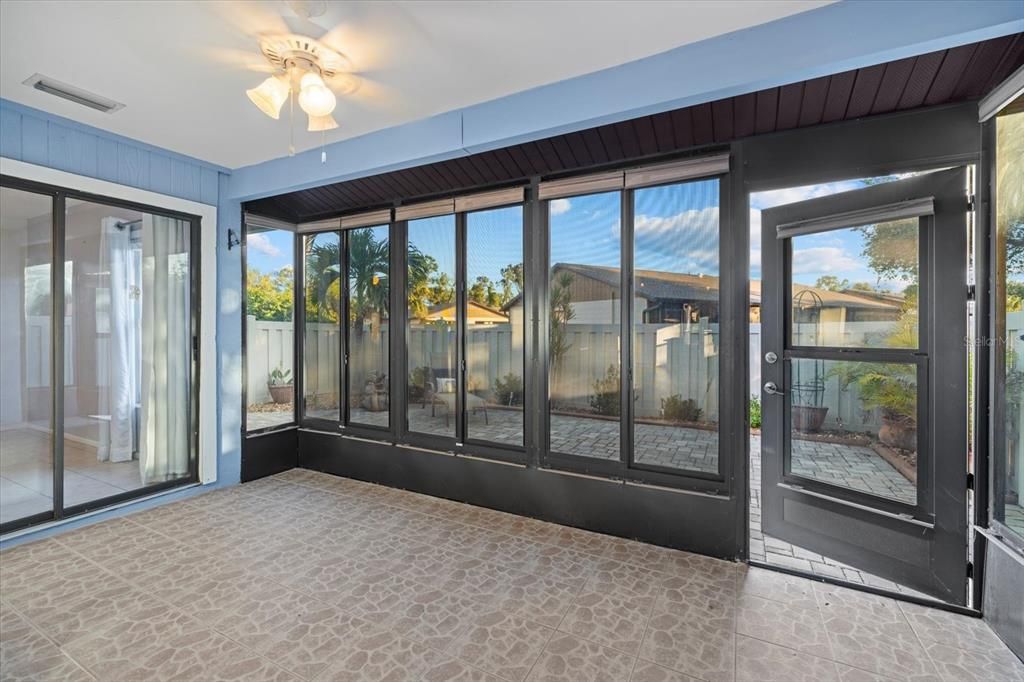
(454,670)
(502,644)
(956,665)
(53,667)
(380,656)
(611,575)
(780,587)
(645,671)
(692,645)
(850,674)
(125,642)
(261,618)
(311,645)
(608,619)
(434,617)
(571,659)
(758,661)
(790,626)
(68,621)
(864,638)
(197,655)
(542,600)
(952,629)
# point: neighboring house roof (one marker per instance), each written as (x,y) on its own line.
(848,298)
(478,313)
(655,285)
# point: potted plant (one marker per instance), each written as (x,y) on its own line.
(375,393)
(892,389)
(280,385)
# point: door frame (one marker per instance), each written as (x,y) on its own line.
(918,140)
(923,545)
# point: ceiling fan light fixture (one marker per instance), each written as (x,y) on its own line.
(319,124)
(315,98)
(269,96)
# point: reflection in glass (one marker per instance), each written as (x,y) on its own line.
(368,323)
(1009,317)
(872,303)
(585,315)
(430,293)
(676,326)
(854,424)
(321,353)
(269,329)
(128,351)
(26,390)
(494,325)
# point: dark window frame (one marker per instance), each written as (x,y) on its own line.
(58,237)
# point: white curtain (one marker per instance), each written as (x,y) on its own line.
(166,349)
(119,398)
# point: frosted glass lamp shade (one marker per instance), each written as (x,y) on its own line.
(321,123)
(270,96)
(315,98)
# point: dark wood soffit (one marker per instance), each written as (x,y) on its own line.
(959,74)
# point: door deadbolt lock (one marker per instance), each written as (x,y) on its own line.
(771,358)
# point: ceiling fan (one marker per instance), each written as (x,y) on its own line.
(305,70)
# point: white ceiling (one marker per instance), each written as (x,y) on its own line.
(182,68)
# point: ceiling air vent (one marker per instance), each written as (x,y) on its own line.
(73,94)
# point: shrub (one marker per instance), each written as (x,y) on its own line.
(280,377)
(508,390)
(605,399)
(755,412)
(675,409)
(418,382)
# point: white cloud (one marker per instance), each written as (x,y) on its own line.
(696,220)
(828,259)
(560,206)
(259,242)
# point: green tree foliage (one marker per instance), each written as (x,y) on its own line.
(323,281)
(367,278)
(511,281)
(832,283)
(270,296)
(421,270)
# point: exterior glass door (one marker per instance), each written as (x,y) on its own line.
(865,395)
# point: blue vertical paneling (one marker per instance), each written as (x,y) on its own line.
(208,182)
(132,166)
(34,145)
(33,136)
(106,159)
(185,179)
(159,173)
(10,134)
(71,150)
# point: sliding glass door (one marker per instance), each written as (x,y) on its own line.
(26,388)
(117,325)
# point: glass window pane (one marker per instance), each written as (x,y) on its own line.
(270,332)
(676,337)
(857,287)
(432,318)
(1009,319)
(321,351)
(26,391)
(585,317)
(494,325)
(369,289)
(127,351)
(854,424)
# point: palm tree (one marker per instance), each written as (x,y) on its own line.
(323,280)
(368,280)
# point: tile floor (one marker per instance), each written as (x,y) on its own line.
(26,474)
(310,576)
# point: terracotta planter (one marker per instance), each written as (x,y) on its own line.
(281,393)
(808,419)
(898,432)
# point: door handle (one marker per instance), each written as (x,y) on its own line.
(771,389)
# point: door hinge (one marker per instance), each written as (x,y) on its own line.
(970,569)
(970,202)
(971,291)
(970,481)
(195,347)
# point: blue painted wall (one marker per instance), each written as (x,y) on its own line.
(35,137)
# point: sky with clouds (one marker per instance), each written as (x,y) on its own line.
(676,230)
